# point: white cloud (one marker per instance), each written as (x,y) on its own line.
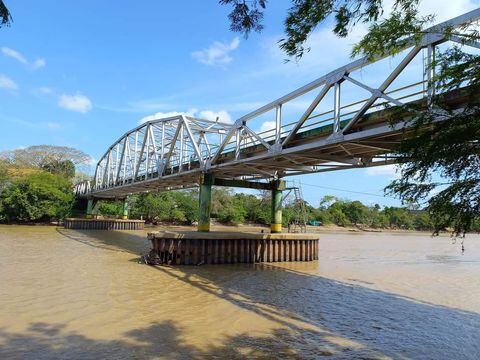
(39,63)
(162,115)
(222,115)
(390,171)
(14,54)
(327,52)
(45,90)
(444,10)
(7,83)
(268,126)
(79,103)
(34,65)
(217,54)
(50,125)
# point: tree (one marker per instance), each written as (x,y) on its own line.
(110,208)
(155,207)
(3,175)
(38,155)
(246,17)
(399,218)
(355,212)
(40,196)
(5,17)
(227,208)
(64,168)
(232,213)
(257,208)
(187,203)
(449,148)
(168,206)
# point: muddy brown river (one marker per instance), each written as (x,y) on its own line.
(82,295)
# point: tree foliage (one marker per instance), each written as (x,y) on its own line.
(38,155)
(40,196)
(244,16)
(447,149)
(3,175)
(354,213)
(36,183)
(65,168)
(180,207)
(5,16)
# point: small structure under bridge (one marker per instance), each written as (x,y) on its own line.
(343,124)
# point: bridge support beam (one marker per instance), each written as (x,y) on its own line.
(205,203)
(276,219)
(90,205)
(242,184)
(126,209)
(92,208)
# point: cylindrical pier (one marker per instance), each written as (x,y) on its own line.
(194,248)
(103,224)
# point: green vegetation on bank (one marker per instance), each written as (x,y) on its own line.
(36,183)
(40,196)
(180,207)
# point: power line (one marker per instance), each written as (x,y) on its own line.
(348,191)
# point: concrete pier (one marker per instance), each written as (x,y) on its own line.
(194,248)
(103,224)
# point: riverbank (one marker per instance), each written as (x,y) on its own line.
(247,227)
(330,228)
(323,229)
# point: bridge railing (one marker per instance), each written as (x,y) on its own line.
(418,90)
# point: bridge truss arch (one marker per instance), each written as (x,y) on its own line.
(160,148)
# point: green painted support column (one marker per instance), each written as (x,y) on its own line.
(276,220)
(90,209)
(126,209)
(96,208)
(205,203)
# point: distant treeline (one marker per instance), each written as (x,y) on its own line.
(234,208)
(36,186)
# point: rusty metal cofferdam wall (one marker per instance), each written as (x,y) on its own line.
(342,124)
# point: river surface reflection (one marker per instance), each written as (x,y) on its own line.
(82,295)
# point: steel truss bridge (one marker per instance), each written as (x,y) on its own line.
(327,135)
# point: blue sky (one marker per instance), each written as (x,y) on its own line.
(80,74)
